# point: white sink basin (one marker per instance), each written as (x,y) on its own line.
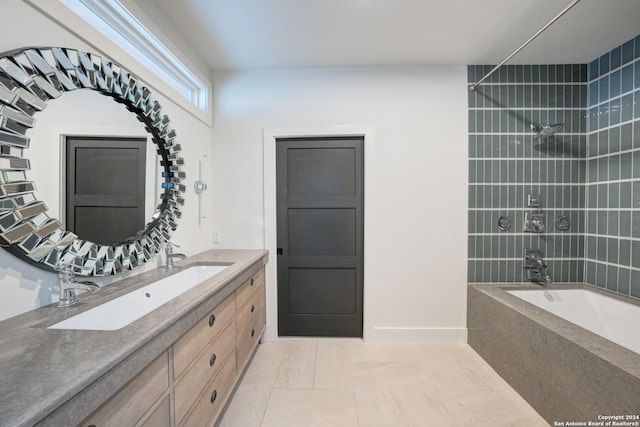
(123,310)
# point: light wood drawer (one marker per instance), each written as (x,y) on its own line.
(128,405)
(209,403)
(249,337)
(206,366)
(192,343)
(249,311)
(161,416)
(243,293)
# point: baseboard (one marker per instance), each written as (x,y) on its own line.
(412,334)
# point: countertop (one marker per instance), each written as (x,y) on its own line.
(63,375)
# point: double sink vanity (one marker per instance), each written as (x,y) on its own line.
(156,349)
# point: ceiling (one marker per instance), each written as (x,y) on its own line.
(249,34)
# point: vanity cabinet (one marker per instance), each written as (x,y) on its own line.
(190,383)
(136,402)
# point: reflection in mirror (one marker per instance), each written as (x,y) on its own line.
(29,79)
(90,116)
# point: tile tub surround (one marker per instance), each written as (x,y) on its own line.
(563,371)
(506,163)
(589,171)
(64,375)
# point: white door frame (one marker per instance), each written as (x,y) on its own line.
(270,206)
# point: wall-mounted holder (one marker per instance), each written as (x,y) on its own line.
(504,223)
(562,223)
(534,222)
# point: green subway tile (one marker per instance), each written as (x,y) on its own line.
(471,247)
(602,194)
(601,243)
(634,290)
(495,197)
(623,280)
(614,194)
(624,252)
(592,248)
(592,196)
(603,168)
(635,254)
(603,90)
(626,108)
(602,222)
(625,223)
(614,84)
(486,271)
(612,251)
(592,222)
(627,52)
(612,278)
(494,169)
(471,221)
(625,194)
(635,223)
(626,137)
(635,194)
(601,275)
(612,223)
(614,140)
(591,273)
(626,165)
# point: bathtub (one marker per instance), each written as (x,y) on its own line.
(615,320)
(571,351)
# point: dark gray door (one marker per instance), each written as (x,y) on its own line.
(105,188)
(320,187)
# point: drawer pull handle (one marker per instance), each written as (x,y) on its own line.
(253,308)
(252,279)
(253,332)
(212,360)
(214,396)
(212,319)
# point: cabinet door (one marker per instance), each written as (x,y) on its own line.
(135,399)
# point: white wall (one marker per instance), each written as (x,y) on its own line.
(415,181)
(25,287)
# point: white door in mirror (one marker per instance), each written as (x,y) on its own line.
(123,310)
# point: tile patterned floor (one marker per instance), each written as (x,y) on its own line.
(347,382)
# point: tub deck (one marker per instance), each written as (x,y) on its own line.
(563,370)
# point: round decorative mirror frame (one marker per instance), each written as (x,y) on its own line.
(29,78)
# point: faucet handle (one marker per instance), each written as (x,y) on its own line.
(66,272)
(168,247)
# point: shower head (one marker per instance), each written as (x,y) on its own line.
(546,131)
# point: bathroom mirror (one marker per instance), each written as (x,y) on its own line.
(29,79)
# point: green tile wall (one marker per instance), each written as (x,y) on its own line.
(588,172)
(506,163)
(612,252)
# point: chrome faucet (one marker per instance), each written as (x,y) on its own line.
(68,286)
(168,250)
(536,267)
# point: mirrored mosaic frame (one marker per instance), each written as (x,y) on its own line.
(29,78)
